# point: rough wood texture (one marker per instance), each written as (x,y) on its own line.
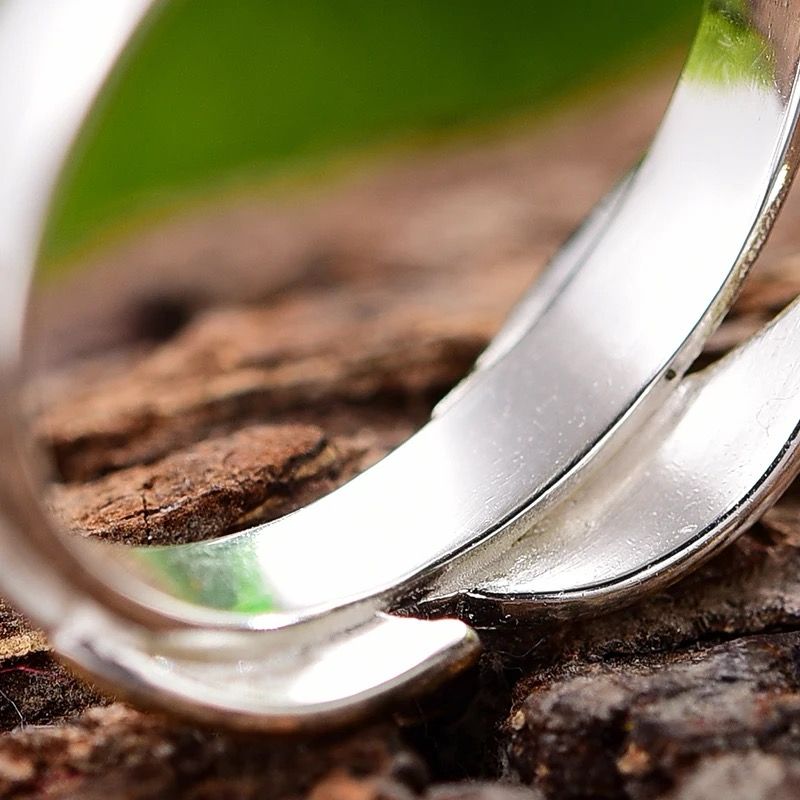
(317,337)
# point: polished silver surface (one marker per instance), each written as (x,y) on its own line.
(286,686)
(53,60)
(564,265)
(609,343)
(573,469)
(698,471)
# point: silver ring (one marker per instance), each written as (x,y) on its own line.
(570,471)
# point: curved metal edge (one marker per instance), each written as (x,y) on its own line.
(664,465)
(353,674)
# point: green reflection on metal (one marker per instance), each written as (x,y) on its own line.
(729,49)
(230,581)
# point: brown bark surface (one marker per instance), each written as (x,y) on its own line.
(235,364)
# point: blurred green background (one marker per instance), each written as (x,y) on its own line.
(225,94)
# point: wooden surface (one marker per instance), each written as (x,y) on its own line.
(235,364)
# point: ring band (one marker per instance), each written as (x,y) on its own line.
(585,362)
